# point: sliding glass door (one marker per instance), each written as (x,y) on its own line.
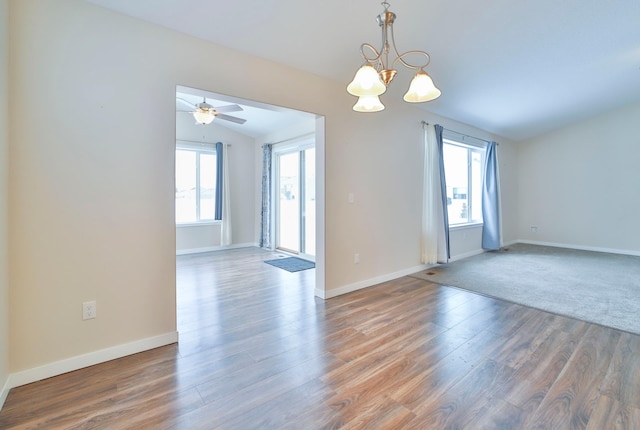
(295,200)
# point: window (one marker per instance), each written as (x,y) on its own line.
(463,165)
(195,185)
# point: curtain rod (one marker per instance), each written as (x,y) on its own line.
(199,141)
(302,136)
(461,134)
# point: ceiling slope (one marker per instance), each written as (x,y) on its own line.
(513,68)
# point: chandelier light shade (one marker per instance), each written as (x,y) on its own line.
(367,82)
(373,78)
(368,104)
(421,89)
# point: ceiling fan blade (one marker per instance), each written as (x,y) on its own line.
(229,108)
(185,104)
(231,118)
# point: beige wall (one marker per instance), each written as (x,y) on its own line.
(578,185)
(91,203)
(4,197)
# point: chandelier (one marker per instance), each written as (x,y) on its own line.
(372,79)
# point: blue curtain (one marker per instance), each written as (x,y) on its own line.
(265,213)
(219,180)
(490,203)
(443,188)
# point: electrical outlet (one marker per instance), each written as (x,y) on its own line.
(356,258)
(89,310)
(534,229)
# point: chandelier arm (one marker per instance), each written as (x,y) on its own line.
(411,66)
(399,57)
(373,60)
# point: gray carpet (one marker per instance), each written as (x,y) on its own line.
(592,286)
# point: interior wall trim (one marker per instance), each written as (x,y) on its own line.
(215,248)
(582,247)
(85,360)
(369,282)
(4,393)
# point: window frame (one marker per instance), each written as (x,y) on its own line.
(482,150)
(199,149)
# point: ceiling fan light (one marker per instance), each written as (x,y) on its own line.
(368,104)
(366,82)
(422,89)
(203,117)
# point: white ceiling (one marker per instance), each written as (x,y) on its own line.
(513,68)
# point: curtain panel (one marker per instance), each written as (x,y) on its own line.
(219,180)
(491,200)
(265,212)
(435,223)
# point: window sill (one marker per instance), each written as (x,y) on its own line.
(198,224)
(465,226)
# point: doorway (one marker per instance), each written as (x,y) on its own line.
(295,131)
(295,202)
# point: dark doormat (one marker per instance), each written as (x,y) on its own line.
(292,264)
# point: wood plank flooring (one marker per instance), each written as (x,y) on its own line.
(258,351)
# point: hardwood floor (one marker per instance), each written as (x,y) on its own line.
(258,351)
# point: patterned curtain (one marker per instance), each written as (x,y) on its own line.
(265,214)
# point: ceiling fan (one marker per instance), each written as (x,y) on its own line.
(204,113)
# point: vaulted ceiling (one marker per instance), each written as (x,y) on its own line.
(513,68)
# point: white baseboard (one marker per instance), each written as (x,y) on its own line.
(4,393)
(78,362)
(214,248)
(390,276)
(582,247)
(368,282)
(466,255)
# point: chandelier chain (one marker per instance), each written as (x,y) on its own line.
(380,60)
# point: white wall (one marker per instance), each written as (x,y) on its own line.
(92,182)
(465,242)
(242,171)
(578,185)
(4,201)
(508,172)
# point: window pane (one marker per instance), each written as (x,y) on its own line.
(476,186)
(185,186)
(207,186)
(289,206)
(456,167)
(310,202)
